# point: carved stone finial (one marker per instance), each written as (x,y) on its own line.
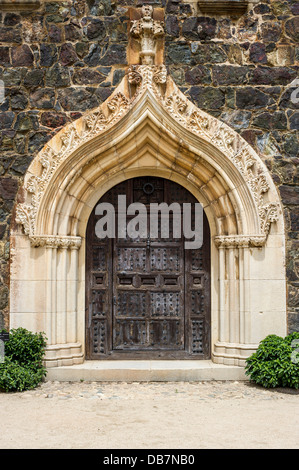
(147,30)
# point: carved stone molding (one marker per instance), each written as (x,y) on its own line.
(52,241)
(66,354)
(50,159)
(151,81)
(222,7)
(239,241)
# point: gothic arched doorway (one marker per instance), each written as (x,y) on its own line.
(147,297)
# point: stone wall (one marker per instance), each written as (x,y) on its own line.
(67,57)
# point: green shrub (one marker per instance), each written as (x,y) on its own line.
(23,368)
(275,363)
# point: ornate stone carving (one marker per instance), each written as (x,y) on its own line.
(176,104)
(117,105)
(134,75)
(94,123)
(147,30)
(268,213)
(245,161)
(52,241)
(139,80)
(239,241)
(199,123)
(224,139)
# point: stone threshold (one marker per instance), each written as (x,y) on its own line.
(145,371)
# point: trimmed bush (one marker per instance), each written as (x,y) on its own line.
(276,362)
(23,368)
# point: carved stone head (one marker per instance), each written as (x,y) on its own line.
(147,12)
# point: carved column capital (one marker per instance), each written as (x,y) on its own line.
(239,241)
(56,241)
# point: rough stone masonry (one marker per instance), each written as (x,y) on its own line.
(63,58)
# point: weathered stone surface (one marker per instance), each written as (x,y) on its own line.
(22,56)
(78,99)
(270,31)
(199,28)
(26,121)
(87,77)
(20,164)
(48,54)
(291,145)
(208,53)
(37,140)
(289,194)
(230,75)
(53,119)
(8,188)
(18,99)
(294,219)
(198,75)
(257,53)
(34,78)
(292,28)
(277,120)
(115,54)
(4,56)
(172,26)
(57,76)
(237,119)
(207,97)
(2,230)
(72,32)
(285,101)
(294,121)
(55,33)
(263,75)
(67,55)
(178,53)
(94,56)
(4,293)
(117,76)
(100,7)
(10,35)
(6,120)
(96,29)
(251,98)
(12,19)
(42,98)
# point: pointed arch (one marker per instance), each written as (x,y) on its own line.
(149,127)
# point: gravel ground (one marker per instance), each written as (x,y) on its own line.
(156,415)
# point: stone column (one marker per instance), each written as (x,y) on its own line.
(233,344)
(72,282)
(61,308)
(61,299)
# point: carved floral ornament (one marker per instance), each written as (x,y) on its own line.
(147,30)
(153,79)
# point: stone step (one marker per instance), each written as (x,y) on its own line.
(146,371)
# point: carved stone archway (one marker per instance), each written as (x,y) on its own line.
(148,127)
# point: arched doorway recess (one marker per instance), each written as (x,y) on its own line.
(147,297)
(148,128)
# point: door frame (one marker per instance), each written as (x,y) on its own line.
(185,353)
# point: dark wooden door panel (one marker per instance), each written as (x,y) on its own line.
(147,298)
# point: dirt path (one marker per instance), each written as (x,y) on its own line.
(225,415)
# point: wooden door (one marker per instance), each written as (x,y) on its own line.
(147,298)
